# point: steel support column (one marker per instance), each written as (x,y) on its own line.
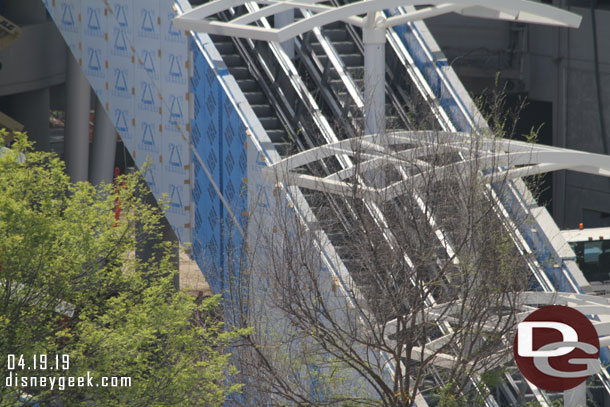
(373,38)
(282,20)
(103,148)
(76,138)
(576,397)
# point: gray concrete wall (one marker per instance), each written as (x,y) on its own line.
(29,67)
(553,65)
(35,61)
(576,107)
(478,48)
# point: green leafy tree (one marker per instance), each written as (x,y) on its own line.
(73,290)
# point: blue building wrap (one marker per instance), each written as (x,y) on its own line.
(158,97)
(220,166)
(138,65)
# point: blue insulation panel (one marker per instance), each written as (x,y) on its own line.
(206,143)
(137,64)
(220,165)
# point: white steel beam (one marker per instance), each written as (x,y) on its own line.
(504,158)
(373,28)
(512,10)
(373,39)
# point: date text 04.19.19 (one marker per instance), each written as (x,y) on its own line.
(38,362)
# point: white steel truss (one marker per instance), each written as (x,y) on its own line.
(245,25)
(409,152)
(527,302)
(369,16)
(496,158)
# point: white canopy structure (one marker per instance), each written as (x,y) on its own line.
(528,302)
(373,24)
(245,25)
(496,157)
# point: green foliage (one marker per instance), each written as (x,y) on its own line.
(498,112)
(63,252)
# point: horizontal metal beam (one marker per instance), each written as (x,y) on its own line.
(504,159)
(512,10)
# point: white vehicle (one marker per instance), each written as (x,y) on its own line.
(592,249)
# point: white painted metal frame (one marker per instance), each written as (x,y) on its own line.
(517,159)
(511,10)
(528,302)
(373,25)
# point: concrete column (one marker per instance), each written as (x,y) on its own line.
(78,106)
(374,75)
(103,148)
(282,20)
(32,109)
(576,397)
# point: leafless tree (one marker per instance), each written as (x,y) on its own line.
(390,276)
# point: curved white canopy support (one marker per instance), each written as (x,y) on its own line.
(527,302)
(512,10)
(498,158)
(252,25)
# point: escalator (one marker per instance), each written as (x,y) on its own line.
(251,87)
(330,73)
(334,215)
